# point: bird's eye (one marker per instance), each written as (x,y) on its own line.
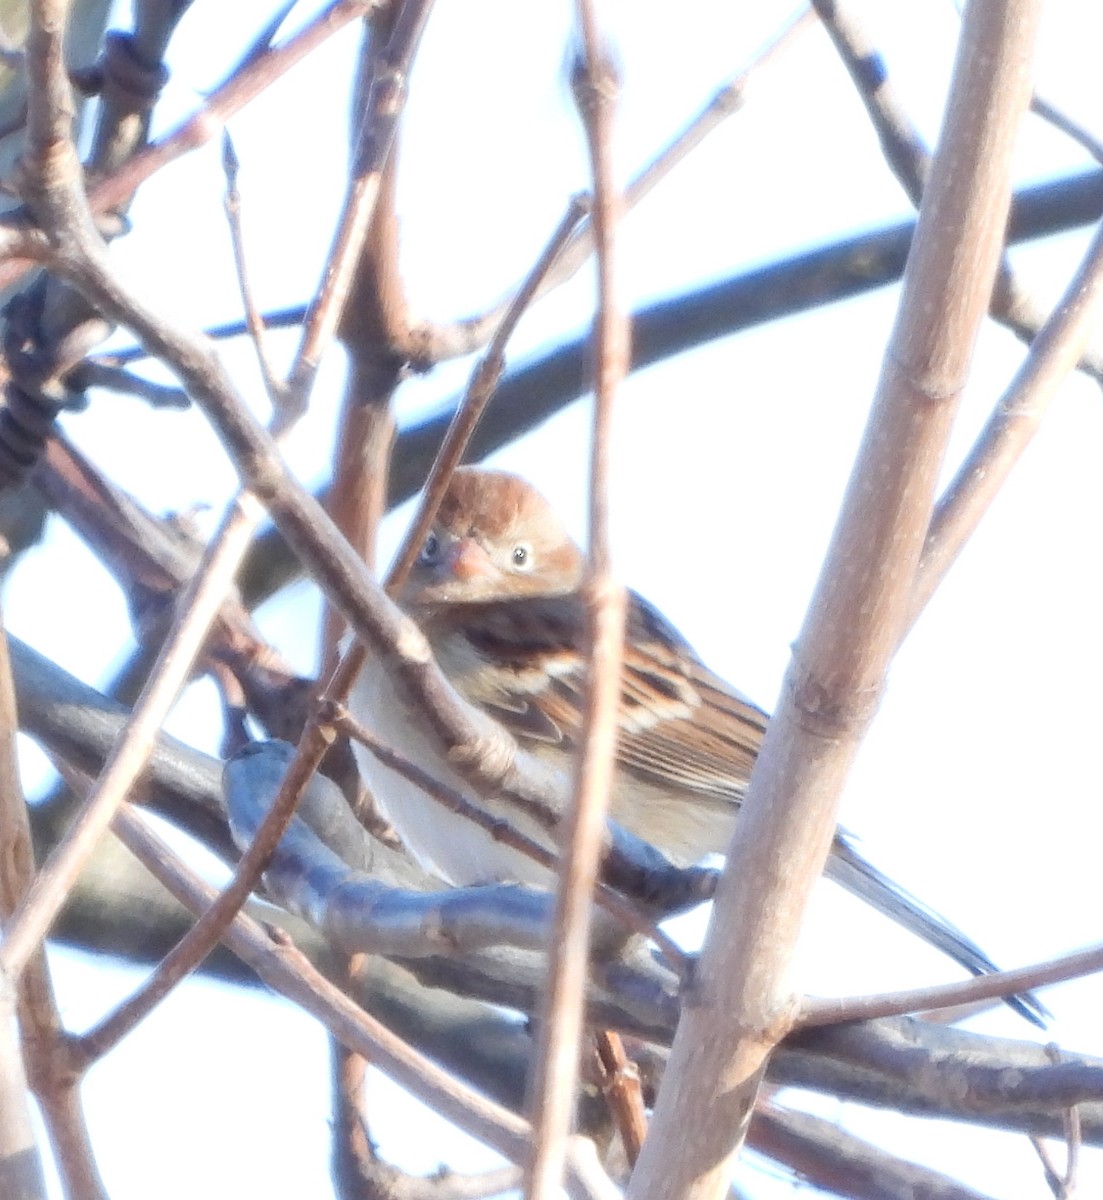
(430,551)
(521,557)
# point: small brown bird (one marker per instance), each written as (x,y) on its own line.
(496,592)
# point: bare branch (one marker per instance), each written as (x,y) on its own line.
(910,162)
(951,995)
(94,373)
(385,103)
(1067,125)
(283,968)
(44,1041)
(1012,425)
(275,387)
(826,1156)
(436,343)
(620,1084)
(831,688)
(596,88)
(200,128)
(20,1162)
(480,389)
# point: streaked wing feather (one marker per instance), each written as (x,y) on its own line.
(524,718)
(711,750)
(681,726)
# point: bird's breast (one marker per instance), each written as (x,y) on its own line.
(444,842)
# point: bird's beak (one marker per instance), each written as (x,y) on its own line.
(467,560)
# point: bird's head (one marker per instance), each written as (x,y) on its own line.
(495,538)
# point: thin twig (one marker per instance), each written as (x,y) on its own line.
(1062,1183)
(44,1041)
(356,1168)
(1067,126)
(560,1032)
(372,320)
(199,606)
(480,387)
(819,1011)
(437,343)
(284,968)
(1012,425)
(380,123)
(273,384)
(621,1085)
(910,161)
(198,129)
(788,819)
(94,372)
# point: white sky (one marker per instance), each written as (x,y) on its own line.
(978,786)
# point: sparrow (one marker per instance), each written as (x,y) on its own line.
(496,592)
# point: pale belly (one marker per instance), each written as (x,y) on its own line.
(447,844)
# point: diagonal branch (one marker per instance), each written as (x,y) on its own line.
(282,967)
(910,161)
(831,688)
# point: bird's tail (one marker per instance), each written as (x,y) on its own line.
(849,869)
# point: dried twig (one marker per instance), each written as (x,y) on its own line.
(199,606)
(95,373)
(816,1012)
(828,1157)
(480,388)
(44,1040)
(281,966)
(556,1071)
(273,384)
(1012,425)
(910,161)
(245,85)
(1068,126)
(620,1082)
(372,319)
(1062,1183)
(380,123)
(440,342)
(831,688)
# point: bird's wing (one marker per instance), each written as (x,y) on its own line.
(681,726)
